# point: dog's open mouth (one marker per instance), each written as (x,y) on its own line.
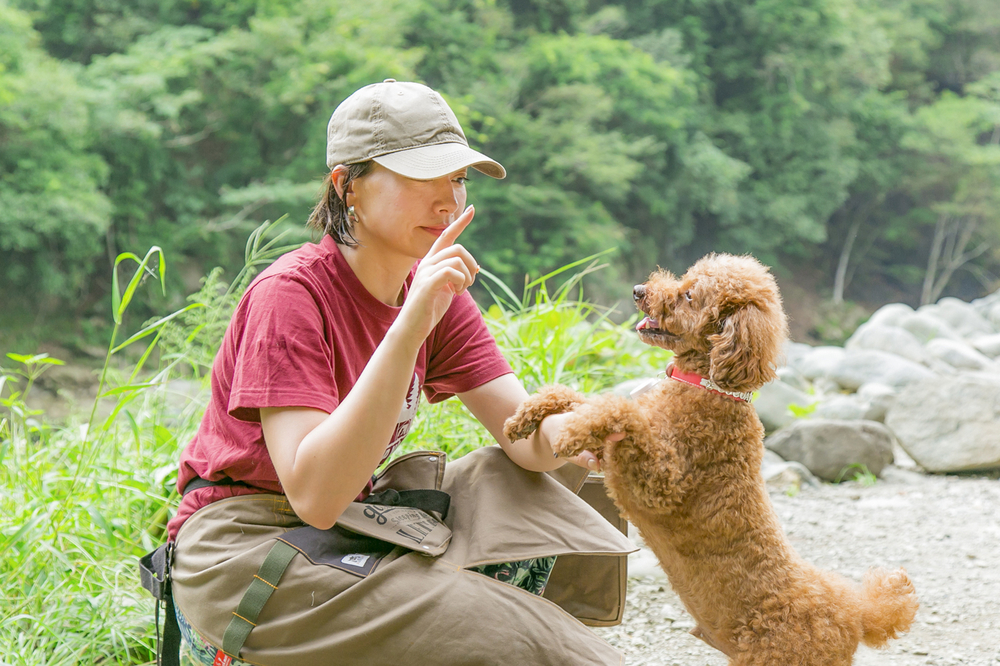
(649,328)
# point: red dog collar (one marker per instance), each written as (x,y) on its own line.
(706,383)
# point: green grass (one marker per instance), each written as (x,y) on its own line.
(82,500)
(862,476)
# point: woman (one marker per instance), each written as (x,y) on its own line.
(327,347)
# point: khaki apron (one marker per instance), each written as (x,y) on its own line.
(412,609)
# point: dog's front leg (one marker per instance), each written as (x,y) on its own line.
(640,468)
(594,421)
(547,400)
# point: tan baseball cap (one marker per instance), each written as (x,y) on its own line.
(407,128)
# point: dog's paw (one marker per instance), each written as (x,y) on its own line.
(519,426)
(567,446)
(548,400)
(578,436)
(526,419)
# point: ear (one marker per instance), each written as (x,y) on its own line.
(745,352)
(337,176)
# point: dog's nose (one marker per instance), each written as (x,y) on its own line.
(638,292)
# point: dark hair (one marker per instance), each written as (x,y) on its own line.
(330,214)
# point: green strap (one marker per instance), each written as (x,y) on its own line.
(263,584)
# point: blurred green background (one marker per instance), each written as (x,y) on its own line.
(854,145)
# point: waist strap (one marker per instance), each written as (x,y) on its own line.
(198,482)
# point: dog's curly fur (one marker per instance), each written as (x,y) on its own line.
(687,474)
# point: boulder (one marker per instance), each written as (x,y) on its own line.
(959,354)
(988,345)
(892,339)
(793,378)
(925,326)
(992,314)
(792,352)
(961,316)
(829,447)
(860,366)
(879,398)
(891,314)
(785,476)
(989,307)
(772,404)
(842,408)
(824,386)
(950,424)
(818,362)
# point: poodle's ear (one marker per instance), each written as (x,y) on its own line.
(744,354)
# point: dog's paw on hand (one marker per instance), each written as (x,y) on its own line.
(526,419)
(519,426)
(567,447)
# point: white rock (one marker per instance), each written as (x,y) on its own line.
(959,354)
(989,307)
(961,316)
(788,476)
(988,345)
(793,378)
(793,351)
(771,458)
(924,326)
(884,337)
(993,314)
(879,398)
(820,362)
(643,564)
(824,386)
(828,447)
(950,424)
(902,476)
(860,366)
(772,404)
(842,407)
(891,314)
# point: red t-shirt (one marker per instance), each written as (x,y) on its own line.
(300,337)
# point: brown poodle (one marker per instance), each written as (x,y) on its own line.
(687,475)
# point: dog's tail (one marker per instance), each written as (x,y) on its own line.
(888,606)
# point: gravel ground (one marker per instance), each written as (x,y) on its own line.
(943,529)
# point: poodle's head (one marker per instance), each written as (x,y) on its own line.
(723,319)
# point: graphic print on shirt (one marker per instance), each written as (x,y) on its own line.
(405,417)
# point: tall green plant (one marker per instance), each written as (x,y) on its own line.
(82,501)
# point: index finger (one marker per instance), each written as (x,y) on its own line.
(454,230)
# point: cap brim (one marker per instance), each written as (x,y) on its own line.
(439,159)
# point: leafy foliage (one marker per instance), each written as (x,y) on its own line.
(858,136)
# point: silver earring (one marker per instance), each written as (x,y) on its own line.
(351,215)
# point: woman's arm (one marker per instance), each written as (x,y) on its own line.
(324,460)
(495,401)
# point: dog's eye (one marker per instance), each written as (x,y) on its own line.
(687,296)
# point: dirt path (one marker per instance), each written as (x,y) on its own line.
(944,530)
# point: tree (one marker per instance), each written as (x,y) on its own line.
(53,214)
(960,143)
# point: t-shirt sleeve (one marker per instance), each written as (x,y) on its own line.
(282,357)
(462,353)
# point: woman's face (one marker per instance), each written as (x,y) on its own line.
(402,216)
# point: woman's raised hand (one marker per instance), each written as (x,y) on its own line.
(446,270)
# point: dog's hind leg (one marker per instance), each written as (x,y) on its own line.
(547,400)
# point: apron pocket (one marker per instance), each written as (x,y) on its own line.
(337,547)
